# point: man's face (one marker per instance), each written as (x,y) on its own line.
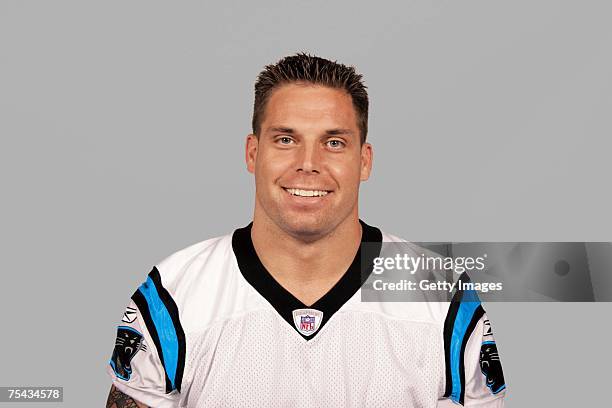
(308,160)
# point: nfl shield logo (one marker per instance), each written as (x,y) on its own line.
(307,321)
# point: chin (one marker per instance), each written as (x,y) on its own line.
(306,226)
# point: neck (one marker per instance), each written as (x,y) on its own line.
(306,268)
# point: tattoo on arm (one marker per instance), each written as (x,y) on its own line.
(117,399)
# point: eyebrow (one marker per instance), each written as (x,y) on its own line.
(330,132)
(280,129)
(335,132)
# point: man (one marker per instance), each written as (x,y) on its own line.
(271,314)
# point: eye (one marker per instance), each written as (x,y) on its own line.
(335,143)
(284,140)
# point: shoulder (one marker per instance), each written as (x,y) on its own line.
(415,306)
(201,282)
(194,261)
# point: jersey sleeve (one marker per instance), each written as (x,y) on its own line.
(485,385)
(148,358)
(474,376)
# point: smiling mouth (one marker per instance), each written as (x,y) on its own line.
(306,193)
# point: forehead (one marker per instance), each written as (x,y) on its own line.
(310,106)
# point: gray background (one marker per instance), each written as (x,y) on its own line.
(123,128)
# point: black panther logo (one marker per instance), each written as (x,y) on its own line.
(128,343)
(491,367)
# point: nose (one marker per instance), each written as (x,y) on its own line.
(309,160)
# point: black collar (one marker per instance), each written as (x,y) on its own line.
(281,299)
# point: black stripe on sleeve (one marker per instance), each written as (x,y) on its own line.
(449,323)
(143,306)
(174,314)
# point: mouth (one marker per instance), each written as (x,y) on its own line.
(298,192)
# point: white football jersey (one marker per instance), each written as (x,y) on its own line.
(210,327)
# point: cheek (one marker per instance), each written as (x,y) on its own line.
(270,168)
(347,173)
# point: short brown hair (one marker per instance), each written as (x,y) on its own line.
(303,67)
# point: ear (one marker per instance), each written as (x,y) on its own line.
(251,152)
(366,161)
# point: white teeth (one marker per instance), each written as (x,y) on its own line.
(306,193)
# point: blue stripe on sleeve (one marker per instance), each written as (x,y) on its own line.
(469,304)
(165,327)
